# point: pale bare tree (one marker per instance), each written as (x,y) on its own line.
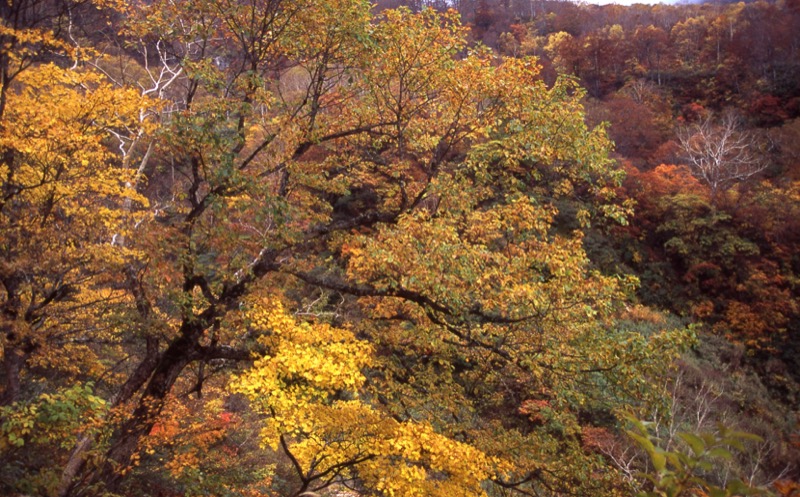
(720,152)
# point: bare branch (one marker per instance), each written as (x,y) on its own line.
(720,153)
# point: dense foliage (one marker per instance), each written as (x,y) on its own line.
(269,247)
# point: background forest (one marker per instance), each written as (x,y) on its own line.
(323,247)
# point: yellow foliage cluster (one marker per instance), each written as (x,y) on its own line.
(305,151)
(307,361)
(303,387)
(62,206)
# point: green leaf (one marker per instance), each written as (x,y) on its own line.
(738,487)
(643,442)
(659,459)
(717,492)
(743,435)
(721,453)
(696,443)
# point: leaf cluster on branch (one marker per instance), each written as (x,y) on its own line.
(356,213)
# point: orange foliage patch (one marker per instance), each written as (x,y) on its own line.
(533,409)
(787,488)
(597,439)
(665,179)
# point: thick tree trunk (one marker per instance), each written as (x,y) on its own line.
(77,459)
(160,380)
(13,361)
(125,442)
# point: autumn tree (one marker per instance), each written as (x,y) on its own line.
(726,256)
(368,206)
(635,128)
(606,51)
(721,153)
(64,200)
(649,45)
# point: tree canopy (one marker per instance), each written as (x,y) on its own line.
(356,235)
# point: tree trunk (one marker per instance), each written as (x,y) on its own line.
(13,361)
(125,442)
(77,459)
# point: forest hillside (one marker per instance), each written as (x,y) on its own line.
(274,248)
